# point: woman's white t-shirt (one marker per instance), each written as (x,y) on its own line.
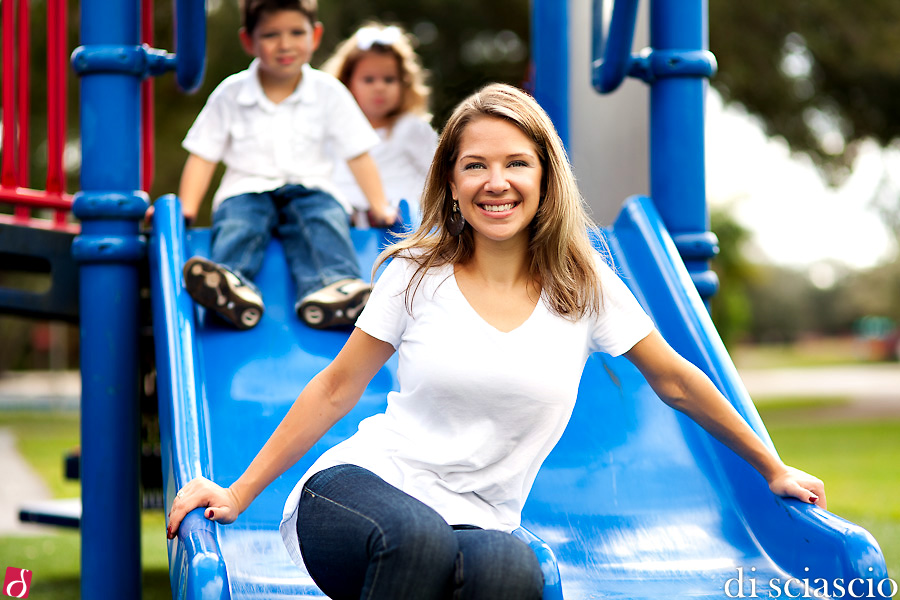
(478,409)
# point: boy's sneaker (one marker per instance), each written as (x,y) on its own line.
(337,304)
(218,289)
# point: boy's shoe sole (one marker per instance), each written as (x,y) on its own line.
(218,289)
(337,304)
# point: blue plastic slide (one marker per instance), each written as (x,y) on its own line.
(635,502)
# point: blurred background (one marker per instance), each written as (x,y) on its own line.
(803,182)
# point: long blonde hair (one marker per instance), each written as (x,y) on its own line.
(377,38)
(562,257)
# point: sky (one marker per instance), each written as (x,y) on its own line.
(795,219)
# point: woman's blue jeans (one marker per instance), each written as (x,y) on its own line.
(363,538)
(314,231)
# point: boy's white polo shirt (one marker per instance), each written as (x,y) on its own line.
(266,145)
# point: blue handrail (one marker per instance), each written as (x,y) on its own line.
(612,60)
(190,43)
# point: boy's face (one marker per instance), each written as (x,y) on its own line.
(283,41)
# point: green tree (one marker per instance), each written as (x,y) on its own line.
(780,300)
(730,308)
(786,305)
(884,278)
(822,74)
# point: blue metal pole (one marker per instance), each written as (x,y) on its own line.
(550,61)
(109,249)
(678,35)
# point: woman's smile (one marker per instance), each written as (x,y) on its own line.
(498,208)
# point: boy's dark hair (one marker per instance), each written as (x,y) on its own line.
(252,10)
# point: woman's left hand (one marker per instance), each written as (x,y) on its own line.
(798,484)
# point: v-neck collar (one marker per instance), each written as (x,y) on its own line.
(484,322)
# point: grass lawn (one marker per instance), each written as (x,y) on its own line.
(816,352)
(44,438)
(55,560)
(857,460)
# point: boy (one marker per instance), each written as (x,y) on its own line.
(269,125)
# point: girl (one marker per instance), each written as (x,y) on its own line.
(383,72)
(494,305)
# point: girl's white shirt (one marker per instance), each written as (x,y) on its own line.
(403,158)
(478,410)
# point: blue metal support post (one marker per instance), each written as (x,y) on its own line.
(680,65)
(550,61)
(109,250)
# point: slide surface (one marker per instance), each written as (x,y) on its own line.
(635,501)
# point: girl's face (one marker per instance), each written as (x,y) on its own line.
(497,180)
(376,85)
(283,41)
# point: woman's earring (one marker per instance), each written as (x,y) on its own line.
(456,223)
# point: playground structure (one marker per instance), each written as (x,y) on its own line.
(652,506)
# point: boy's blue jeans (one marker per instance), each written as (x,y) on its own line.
(363,538)
(314,231)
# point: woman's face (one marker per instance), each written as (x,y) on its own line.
(376,85)
(497,180)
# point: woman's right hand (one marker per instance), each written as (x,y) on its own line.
(801,485)
(221,504)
